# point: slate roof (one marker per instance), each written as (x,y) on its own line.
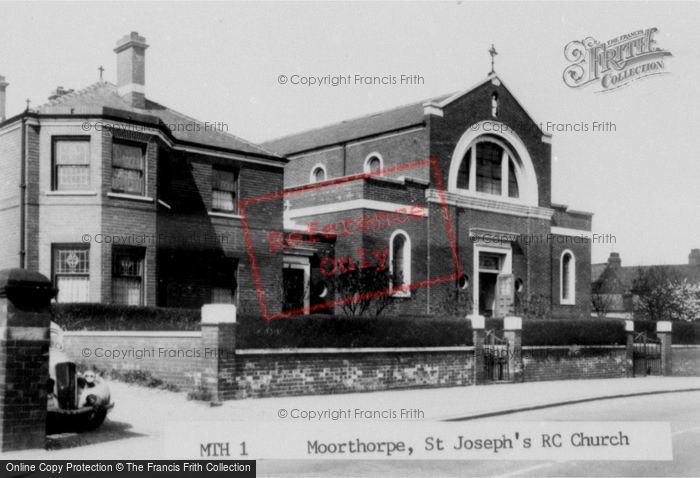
(100,95)
(620,279)
(369,125)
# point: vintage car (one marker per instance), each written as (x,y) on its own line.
(75,401)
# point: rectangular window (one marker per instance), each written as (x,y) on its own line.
(224,197)
(128,169)
(71,160)
(127,276)
(224,281)
(71,268)
(488,168)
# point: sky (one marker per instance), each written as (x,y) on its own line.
(221,62)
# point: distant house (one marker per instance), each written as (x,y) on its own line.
(612,284)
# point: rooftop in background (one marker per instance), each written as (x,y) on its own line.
(624,276)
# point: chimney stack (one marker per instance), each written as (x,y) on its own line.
(3,86)
(131,69)
(694,257)
(614,260)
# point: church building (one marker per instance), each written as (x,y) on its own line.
(456,192)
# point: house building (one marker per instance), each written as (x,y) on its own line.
(476,166)
(612,284)
(122,200)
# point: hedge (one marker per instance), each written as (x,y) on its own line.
(120,317)
(339,331)
(574,332)
(682,333)
(353,332)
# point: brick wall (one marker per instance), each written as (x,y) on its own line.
(573,363)
(283,374)
(156,348)
(10,153)
(344,160)
(686,360)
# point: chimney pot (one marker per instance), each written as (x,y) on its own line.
(131,69)
(614,260)
(3,87)
(694,257)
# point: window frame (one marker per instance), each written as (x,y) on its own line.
(571,300)
(407,258)
(55,165)
(235,192)
(58,246)
(508,158)
(135,251)
(312,176)
(368,159)
(144,170)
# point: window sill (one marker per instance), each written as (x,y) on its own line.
(76,192)
(225,214)
(401,294)
(568,302)
(130,197)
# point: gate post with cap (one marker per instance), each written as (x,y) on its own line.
(219,349)
(629,349)
(513,333)
(25,318)
(663,331)
(478,335)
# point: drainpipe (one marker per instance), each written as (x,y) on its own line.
(345,158)
(23,196)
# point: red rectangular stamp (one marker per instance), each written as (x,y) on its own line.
(354,242)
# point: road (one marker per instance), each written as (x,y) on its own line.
(682,410)
(135,430)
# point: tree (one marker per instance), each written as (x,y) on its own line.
(602,298)
(663,295)
(366,290)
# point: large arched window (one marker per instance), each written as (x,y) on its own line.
(490,161)
(567,278)
(489,167)
(400,263)
(318,174)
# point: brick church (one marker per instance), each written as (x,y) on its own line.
(122,200)
(484,195)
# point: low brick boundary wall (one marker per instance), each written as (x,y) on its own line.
(542,363)
(686,360)
(269,372)
(174,357)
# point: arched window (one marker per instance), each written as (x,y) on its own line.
(318,174)
(568,278)
(489,167)
(373,163)
(400,263)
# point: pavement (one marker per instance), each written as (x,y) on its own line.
(135,427)
(468,402)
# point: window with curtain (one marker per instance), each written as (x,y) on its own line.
(128,169)
(71,266)
(71,164)
(127,276)
(224,191)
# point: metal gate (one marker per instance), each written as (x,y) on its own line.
(496,358)
(646,356)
